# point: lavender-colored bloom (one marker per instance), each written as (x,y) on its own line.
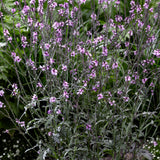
(24,42)
(46,54)
(82,1)
(39,84)
(155,143)
(119,92)
(58,111)
(139,9)
(151,10)
(9,39)
(30,21)
(130,33)
(35,37)
(88,127)
(1,104)
(52,99)
(14,86)
(93,16)
(49,133)
(145,5)
(118,18)
(156,52)
(93,74)
(34,97)
(18,25)
(65,94)
(1,93)
(64,67)
(47,46)
(49,111)
(6,32)
(16,3)
(6,131)
(127,78)
(54,71)
(1,14)
(80,91)
(100,96)
(41,25)
(17,59)
(126,44)
(13,10)
(114,65)
(132,3)
(32,2)
(25,9)
(144,80)
(65,84)
(126,99)
(51,61)
(73,54)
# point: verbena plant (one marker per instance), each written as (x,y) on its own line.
(86,81)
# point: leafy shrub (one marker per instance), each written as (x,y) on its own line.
(86,85)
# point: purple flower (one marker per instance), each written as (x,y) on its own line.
(25,9)
(144,80)
(18,25)
(2,104)
(93,16)
(118,18)
(145,5)
(39,84)
(17,59)
(54,71)
(100,96)
(1,14)
(52,99)
(49,133)
(6,131)
(46,54)
(64,67)
(30,21)
(47,46)
(32,2)
(1,93)
(65,94)
(13,10)
(126,99)
(151,10)
(10,39)
(82,1)
(51,61)
(126,44)
(6,32)
(49,111)
(65,84)
(34,97)
(156,52)
(127,78)
(155,143)
(73,54)
(130,33)
(80,91)
(88,127)
(16,3)
(13,54)
(115,65)
(58,111)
